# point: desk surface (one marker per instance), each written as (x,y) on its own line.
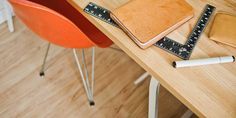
(208,91)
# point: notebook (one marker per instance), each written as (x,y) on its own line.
(147,21)
(224,29)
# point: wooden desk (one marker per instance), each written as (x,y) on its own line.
(209,91)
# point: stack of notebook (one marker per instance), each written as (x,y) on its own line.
(147,21)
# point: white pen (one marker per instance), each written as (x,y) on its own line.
(200,62)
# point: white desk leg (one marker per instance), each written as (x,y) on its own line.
(153,98)
(141,78)
(154,88)
(8,15)
(187,114)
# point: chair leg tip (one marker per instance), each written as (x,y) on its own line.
(92,103)
(41,74)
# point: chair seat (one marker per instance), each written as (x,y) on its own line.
(65,9)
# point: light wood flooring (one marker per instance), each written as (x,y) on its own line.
(23,94)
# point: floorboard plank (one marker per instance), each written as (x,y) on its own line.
(60,94)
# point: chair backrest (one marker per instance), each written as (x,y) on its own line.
(56,27)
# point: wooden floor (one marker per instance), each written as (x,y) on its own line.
(61,95)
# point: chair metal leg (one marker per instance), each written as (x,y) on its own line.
(8,13)
(85,79)
(42,71)
(85,68)
(93,68)
(153,98)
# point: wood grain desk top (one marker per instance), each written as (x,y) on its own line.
(209,91)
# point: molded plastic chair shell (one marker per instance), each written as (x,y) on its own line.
(59,23)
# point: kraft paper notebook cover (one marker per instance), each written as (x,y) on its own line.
(147,21)
(224,29)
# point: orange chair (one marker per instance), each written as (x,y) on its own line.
(59,23)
